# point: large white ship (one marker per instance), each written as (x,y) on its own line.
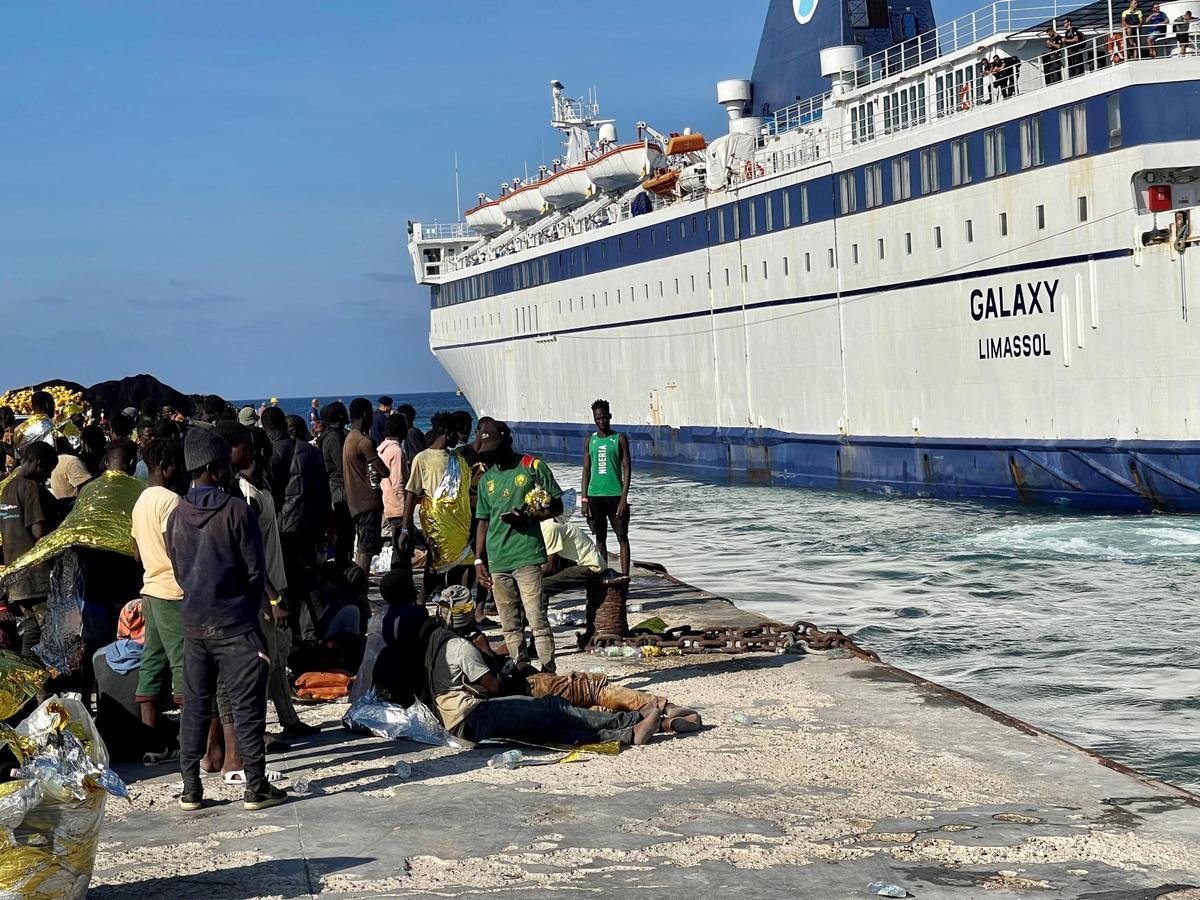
(956,266)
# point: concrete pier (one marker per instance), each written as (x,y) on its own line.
(855,772)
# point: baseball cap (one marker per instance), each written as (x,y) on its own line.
(493,435)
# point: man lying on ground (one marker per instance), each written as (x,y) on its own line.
(583,690)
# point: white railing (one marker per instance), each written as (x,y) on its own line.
(443,232)
(1000,17)
(806,112)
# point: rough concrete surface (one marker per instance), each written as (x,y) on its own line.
(853,773)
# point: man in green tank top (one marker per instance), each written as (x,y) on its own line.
(607,470)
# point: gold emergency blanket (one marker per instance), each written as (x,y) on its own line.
(19,680)
(50,814)
(101,518)
(446,518)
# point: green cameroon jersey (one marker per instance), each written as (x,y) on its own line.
(604,476)
(512,547)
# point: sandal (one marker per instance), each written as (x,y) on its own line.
(238,776)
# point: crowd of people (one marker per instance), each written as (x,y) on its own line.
(255,535)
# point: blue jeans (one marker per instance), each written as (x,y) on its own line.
(546,720)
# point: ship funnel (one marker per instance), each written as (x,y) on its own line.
(734,95)
(839,65)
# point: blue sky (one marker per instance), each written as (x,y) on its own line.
(216,192)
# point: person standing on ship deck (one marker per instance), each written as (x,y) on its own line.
(1052,62)
(607,471)
(1131,24)
(1073,42)
(1155,28)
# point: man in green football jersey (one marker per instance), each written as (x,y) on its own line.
(607,471)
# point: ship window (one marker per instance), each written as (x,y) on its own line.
(660,289)
(787,209)
(1031,142)
(620,245)
(807,263)
(1082,203)
(764,268)
(606,298)
(908,242)
(693,284)
(676,285)
(785,265)
(880,243)
(593,301)
(651,230)
(708,222)
(683,228)
(1072,131)
(726,278)
(846,189)
(618,296)
(874,185)
(901,179)
(695,224)
(1040,216)
(854,253)
(929,170)
(970,232)
(721,228)
(1003,224)
(960,161)
(667,233)
(745,273)
(1114,120)
(560,262)
(937,237)
(587,255)
(646,290)
(545,269)
(993,152)
(603,250)
(803,203)
(637,240)
(831,258)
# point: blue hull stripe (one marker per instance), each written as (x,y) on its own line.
(811,298)
(1100,475)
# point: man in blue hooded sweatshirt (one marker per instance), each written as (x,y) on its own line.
(216,551)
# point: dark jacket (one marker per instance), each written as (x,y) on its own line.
(216,551)
(414,443)
(379,426)
(297,480)
(330,445)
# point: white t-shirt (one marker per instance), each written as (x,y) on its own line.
(570,543)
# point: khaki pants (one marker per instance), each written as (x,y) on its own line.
(586,690)
(517,591)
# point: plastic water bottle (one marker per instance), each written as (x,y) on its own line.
(634,607)
(509,759)
(886,889)
(403,769)
(595,670)
(300,786)
(631,651)
(741,718)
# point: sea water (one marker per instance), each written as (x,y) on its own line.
(1084,625)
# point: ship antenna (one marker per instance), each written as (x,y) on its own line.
(457,199)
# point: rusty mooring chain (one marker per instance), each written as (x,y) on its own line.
(768,637)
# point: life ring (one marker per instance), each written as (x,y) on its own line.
(1116,47)
(964,96)
(748,170)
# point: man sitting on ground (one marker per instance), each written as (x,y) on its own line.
(571,558)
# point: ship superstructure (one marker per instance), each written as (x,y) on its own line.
(961,269)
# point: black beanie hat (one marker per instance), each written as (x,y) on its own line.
(202,448)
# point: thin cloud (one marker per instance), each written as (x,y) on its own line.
(388,277)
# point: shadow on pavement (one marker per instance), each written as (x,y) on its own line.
(286,878)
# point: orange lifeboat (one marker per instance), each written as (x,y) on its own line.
(662,182)
(685,143)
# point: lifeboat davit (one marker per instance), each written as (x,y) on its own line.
(625,166)
(567,188)
(523,204)
(487,219)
